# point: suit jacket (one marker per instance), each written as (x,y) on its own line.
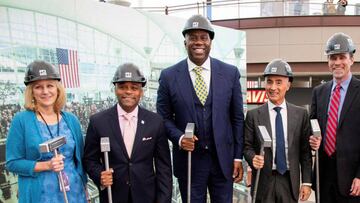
(347,133)
(147,174)
(299,152)
(175,103)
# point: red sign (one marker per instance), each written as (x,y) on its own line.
(256,96)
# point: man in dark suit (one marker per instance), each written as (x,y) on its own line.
(207,92)
(336,105)
(139,156)
(288,126)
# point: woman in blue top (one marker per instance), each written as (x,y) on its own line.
(44,120)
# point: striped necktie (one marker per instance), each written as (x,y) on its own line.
(332,121)
(200,86)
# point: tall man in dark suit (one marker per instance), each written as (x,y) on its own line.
(289,128)
(336,105)
(139,156)
(207,92)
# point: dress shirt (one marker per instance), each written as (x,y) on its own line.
(122,120)
(344,87)
(272,114)
(205,73)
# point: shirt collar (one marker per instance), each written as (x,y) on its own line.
(272,106)
(344,84)
(205,65)
(121,111)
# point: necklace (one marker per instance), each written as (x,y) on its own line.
(47,126)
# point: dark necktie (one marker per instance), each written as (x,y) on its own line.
(280,157)
(332,121)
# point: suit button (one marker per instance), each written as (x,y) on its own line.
(130,164)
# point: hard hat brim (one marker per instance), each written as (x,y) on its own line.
(338,52)
(291,78)
(42,78)
(211,33)
(143,82)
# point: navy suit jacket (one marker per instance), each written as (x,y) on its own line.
(147,173)
(175,103)
(347,134)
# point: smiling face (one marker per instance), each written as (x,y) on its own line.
(276,87)
(128,94)
(339,65)
(45,93)
(198,46)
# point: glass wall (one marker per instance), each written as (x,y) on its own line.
(103,36)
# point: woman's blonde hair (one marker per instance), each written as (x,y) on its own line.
(30,103)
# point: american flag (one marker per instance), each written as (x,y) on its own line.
(68,67)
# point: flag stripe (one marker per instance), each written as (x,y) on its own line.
(71,69)
(76,69)
(68,67)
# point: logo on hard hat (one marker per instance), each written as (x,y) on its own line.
(128,74)
(195,24)
(273,69)
(42,72)
(336,46)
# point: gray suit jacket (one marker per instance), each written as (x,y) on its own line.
(299,152)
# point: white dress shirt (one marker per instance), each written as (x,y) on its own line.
(272,114)
(205,73)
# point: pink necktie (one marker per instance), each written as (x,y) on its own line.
(332,122)
(129,134)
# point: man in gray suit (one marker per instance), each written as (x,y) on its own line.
(289,127)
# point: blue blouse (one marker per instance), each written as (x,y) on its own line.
(50,190)
(22,153)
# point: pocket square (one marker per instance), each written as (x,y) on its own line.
(146,138)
